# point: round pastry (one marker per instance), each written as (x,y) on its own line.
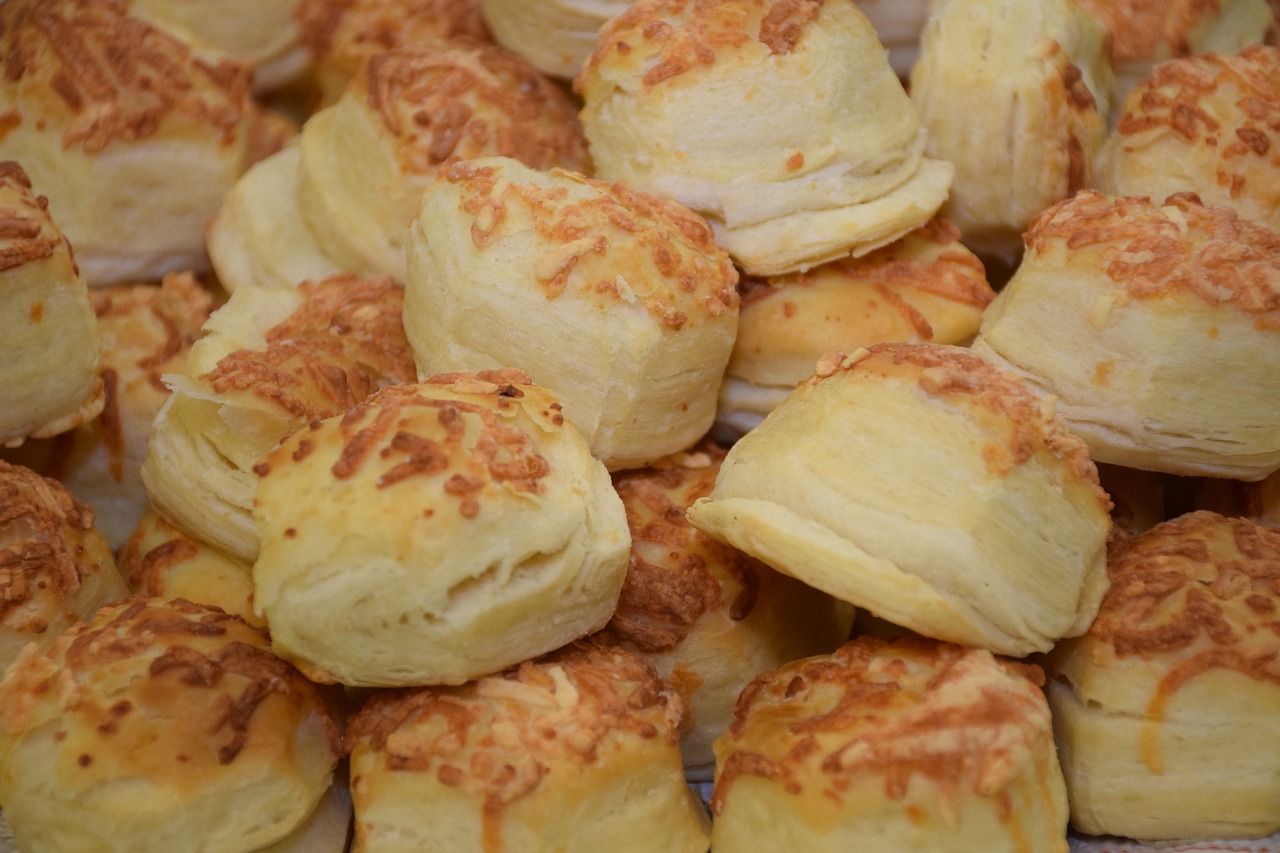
(49,378)
(898,25)
(835,164)
(436,533)
(55,568)
(132,134)
(159,727)
(705,615)
(1205,124)
(901,744)
(1155,328)
(342,35)
(929,487)
(145,331)
(270,361)
(1166,709)
(574,752)
(163,561)
(925,288)
(366,160)
(1038,72)
(557,36)
(618,301)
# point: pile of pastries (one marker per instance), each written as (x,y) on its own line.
(487,425)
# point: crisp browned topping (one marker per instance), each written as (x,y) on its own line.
(1183,246)
(174,678)
(892,709)
(1151,29)
(145,567)
(471,102)
(684,34)
(677,265)
(27,233)
(497,737)
(348,32)
(117,77)
(677,573)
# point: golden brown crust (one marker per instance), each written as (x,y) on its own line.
(354,30)
(1149,29)
(27,232)
(115,76)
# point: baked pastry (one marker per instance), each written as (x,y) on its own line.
(903,744)
(671,86)
(258,238)
(342,35)
(925,288)
(1146,32)
(49,380)
(55,568)
(705,615)
(557,37)
(898,25)
(574,752)
(163,561)
(366,161)
(1037,71)
(261,33)
(145,332)
(270,361)
(1166,709)
(925,485)
(1203,124)
(436,533)
(157,723)
(618,301)
(132,134)
(1154,327)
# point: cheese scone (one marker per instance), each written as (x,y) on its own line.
(270,361)
(146,332)
(341,36)
(925,288)
(1203,124)
(1154,327)
(161,726)
(55,567)
(618,301)
(833,161)
(132,134)
(705,615)
(575,752)
(366,160)
(891,744)
(1166,709)
(438,532)
(1038,72)
(927,486)
(49,362)
(556,36)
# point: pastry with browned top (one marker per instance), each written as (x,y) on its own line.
(833,159)
(903,744)
(929,487)
(343,35)
(269,362)
(438,532)
(1037,75)
(49,380)
(161,726)
(705,615)
(575,752)
(555,36)
(925,288)
(1204,124)
(1155,329)
(146,332)
(132,134)
(55,568)
(1166,710)
(618,301)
